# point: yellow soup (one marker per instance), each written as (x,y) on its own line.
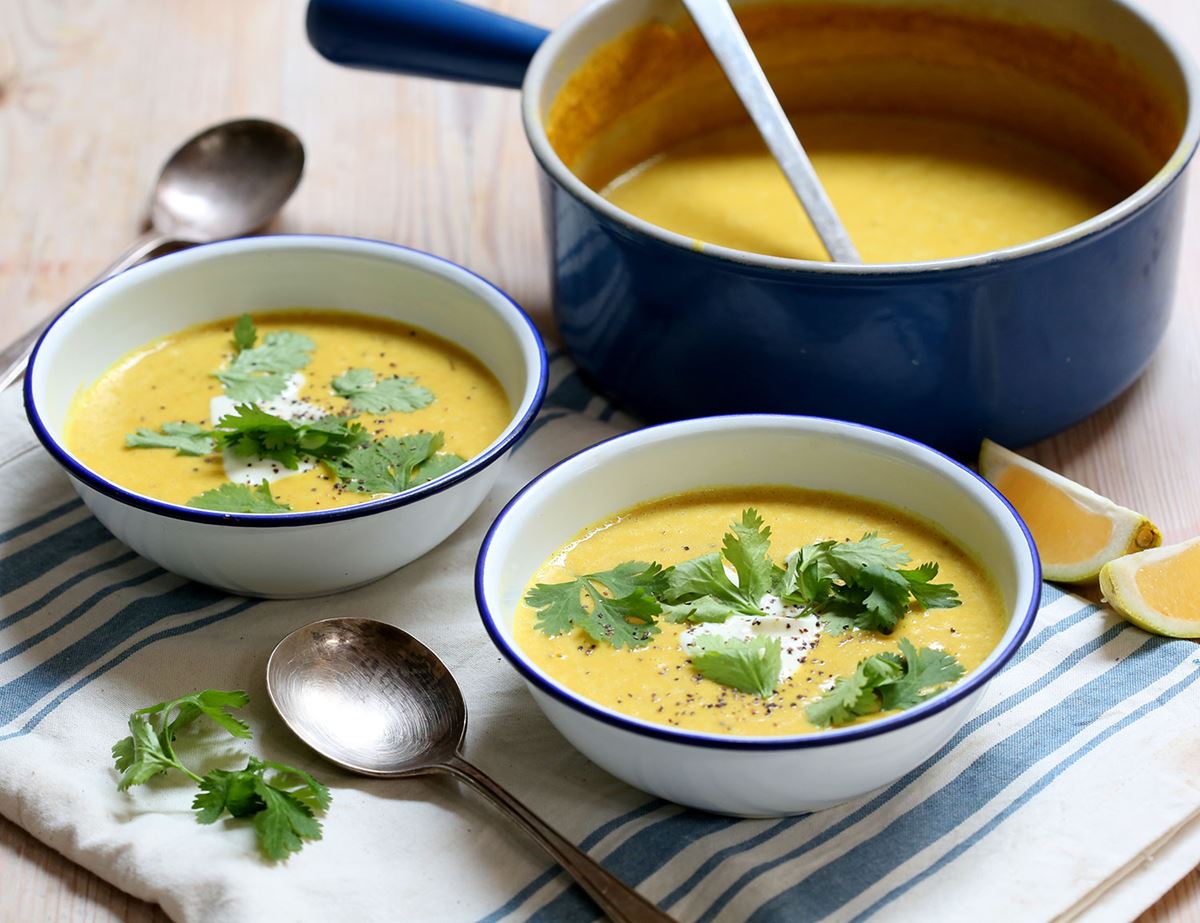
(171,379)
(657,682)
(906,187)
(938,133)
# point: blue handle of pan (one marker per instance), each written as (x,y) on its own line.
(430,38)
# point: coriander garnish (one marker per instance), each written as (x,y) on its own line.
(390,465)
(239,498)
(845,585)
(258,373)
(886,682)
(281,799)
(185,438)
(386,395)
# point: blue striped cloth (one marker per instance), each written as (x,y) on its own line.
(1072,792)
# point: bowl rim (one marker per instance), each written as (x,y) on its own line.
(974,682)
(535,132)
(518,424)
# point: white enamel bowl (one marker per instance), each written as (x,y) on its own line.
(290,554)
(755,776)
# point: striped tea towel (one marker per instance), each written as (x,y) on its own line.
(1074,790)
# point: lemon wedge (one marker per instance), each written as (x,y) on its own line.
(1076,530)
(1158,590)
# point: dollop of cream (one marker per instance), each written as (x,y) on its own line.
(251,470)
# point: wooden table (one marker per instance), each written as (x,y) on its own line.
(93,96)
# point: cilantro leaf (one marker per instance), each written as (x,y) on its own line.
(185,438)
(868,551)
(223,790)
(702,609)
(747,548)
(749,665)
(927,594)
(384,396)
(626,618)
(390,465)
(705,576)
(927,671)
(808,577)
(886,682)
(245,335)
(284,822)
(142,755)
(251,431)
(261,373)
(238,498)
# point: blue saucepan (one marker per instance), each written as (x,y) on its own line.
(1014,344)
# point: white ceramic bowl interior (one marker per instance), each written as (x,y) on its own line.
(295,554)
(746,775)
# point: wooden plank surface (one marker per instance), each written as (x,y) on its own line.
(93,96)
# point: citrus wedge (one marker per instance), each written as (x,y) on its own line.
(1158,590)
(1076,530)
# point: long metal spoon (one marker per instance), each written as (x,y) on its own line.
(227,181)
(718,25)
(375,700)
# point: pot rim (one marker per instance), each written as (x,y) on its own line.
(548,52)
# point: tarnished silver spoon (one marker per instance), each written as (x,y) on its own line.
(375,700)
(227,181)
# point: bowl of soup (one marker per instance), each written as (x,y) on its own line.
(286,416)
(758,615)
(1010,171)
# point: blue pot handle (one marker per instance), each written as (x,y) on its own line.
(431,38)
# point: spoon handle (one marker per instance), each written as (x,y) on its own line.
(619,901)
(15,356)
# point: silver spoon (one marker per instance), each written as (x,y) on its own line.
(227,181)
(373,699)
(718,25)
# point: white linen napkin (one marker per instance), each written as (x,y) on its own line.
(1073,790)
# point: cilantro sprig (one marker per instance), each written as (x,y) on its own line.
(386,395)
(886,682)
(392,464)
(280,800)
(239,498)
(259,373)
(185,438)
(622,606)
(251,431)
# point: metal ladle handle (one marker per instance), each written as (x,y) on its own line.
(619,901)
(15,357)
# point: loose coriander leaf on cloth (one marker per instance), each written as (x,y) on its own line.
(747,547)
(213,704)
(749,665)
(284,822)
(389,395)
(392,464)
(239,498)
(185,438)
(224,790)
(626,618)
(261,373)
(245,335)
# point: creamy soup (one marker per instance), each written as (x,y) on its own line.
(411,382)
(659,681)
(937,134)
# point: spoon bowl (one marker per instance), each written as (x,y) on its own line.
(227,181)
(367,696)
(373,699)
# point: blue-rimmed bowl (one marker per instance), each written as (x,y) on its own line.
(287,554)
(755,776)
(1014,344)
